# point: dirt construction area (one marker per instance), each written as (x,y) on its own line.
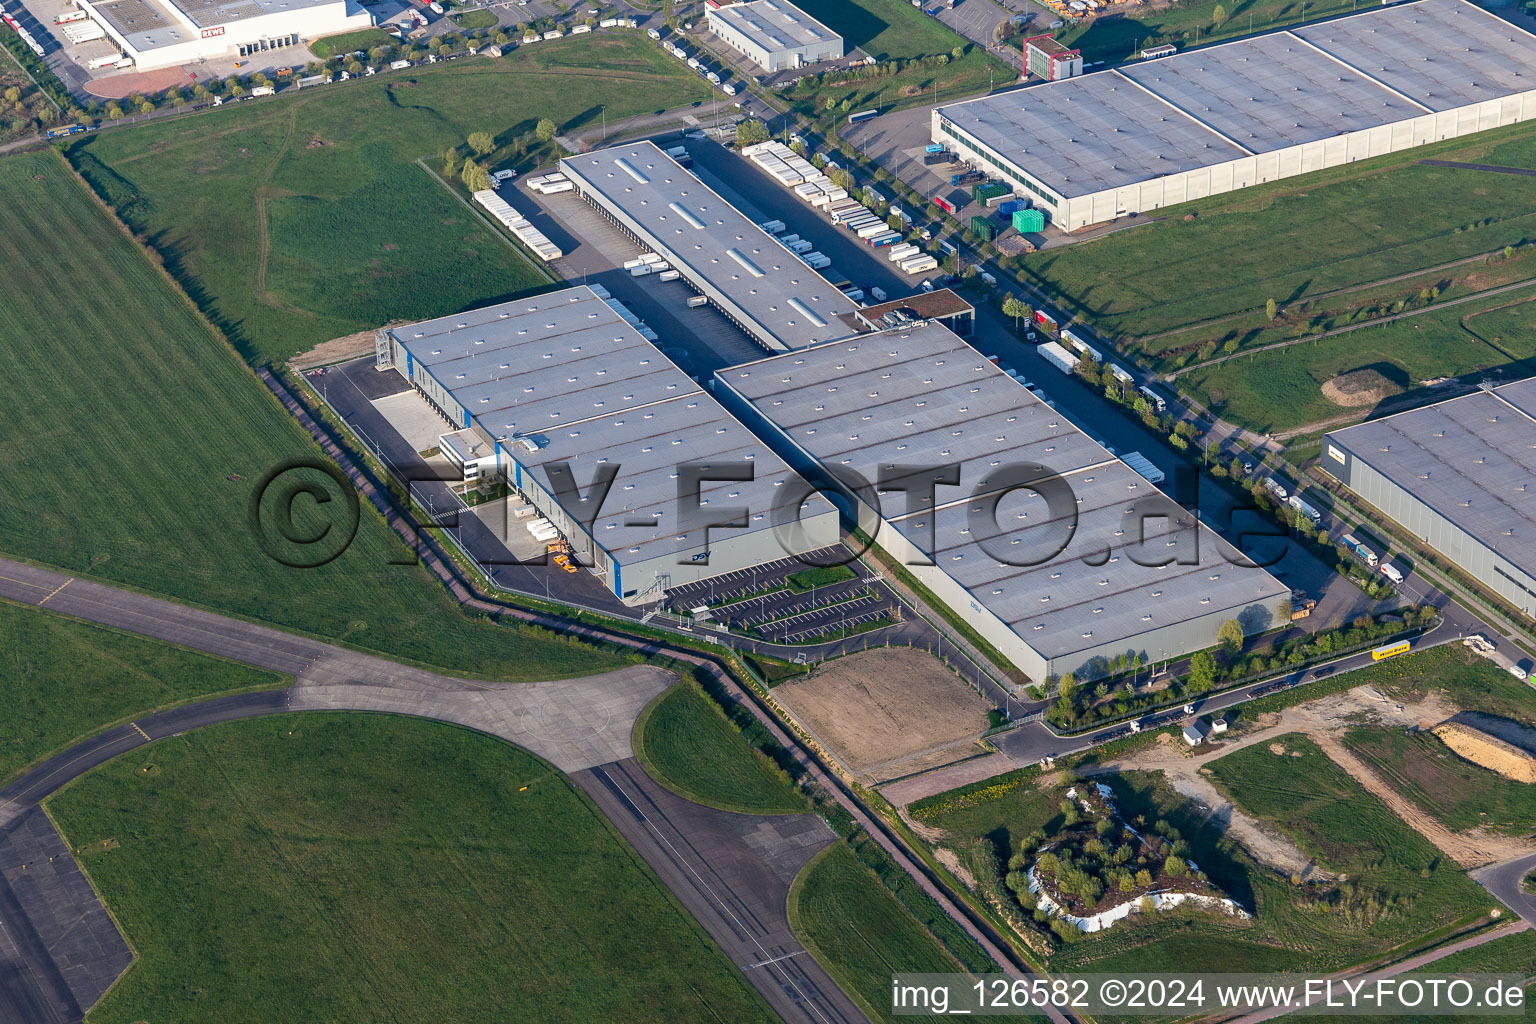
(1323,721)
(888,712)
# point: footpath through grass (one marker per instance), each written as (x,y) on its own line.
(689,746)
(62,680)
(1281,389)
(343,866)
(132,441)
(306,217)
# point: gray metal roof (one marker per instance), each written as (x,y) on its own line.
(1271,92)
(775,25)
(1086,134)
(910,398)
(788,305)
(1442,53)
(565,369)
(149,24)
(1257,95)
(1471,459)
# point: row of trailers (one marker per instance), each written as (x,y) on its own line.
(813,186)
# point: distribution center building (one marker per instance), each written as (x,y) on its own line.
(1095,564)
(774,34)
(757,283)
(167,33)
(1225,117)
(1460,476)
(563,378)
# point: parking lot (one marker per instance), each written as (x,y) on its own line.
(768,603)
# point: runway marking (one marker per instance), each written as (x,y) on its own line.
(55,590)
(24,583)
(707,888)
(141,732)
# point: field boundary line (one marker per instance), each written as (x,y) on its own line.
(1379,322)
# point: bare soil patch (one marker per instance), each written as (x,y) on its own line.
(1359,388)
(879,711)
(1487,751)
(337,350)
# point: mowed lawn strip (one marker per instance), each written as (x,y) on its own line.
(308,869)
(688,745)
(304,218)
(62,680)
(132,441)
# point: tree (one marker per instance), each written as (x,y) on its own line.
(146,107)
(1231,636)
(1202,672)
(476,177)
(545,130)
(1175,866)
(1144,878)
(1219,15)
(750,132)
(1270,309)
(450,160)
(114,112)
(482,142)
(1014,308)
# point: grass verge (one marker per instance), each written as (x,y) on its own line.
(686,743)
(62,680)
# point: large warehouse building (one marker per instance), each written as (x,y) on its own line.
(1460,476)
(167,33)
(774,34)
(563,378)
(745,272)
(1219,118)
(1096,564)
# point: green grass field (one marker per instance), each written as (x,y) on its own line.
(349,42)
(474,20)
(1457,793)
(885,29)
(895,30)
(860,933)
(1295,238)
(62,680)
(132,440)
(688,745)
(306,217)
(1281,389)
(378,865)
(1121,35)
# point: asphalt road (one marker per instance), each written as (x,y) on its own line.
(1504,881)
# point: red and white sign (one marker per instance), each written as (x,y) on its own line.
(209,33)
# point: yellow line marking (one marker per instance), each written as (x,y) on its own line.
(55,590)
(141,732)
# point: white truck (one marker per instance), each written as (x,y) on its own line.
(1305,509)
(97,63)
(1392,572)
(1275,487)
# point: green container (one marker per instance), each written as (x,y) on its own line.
(981,193)
(1028,220)
(983,228)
